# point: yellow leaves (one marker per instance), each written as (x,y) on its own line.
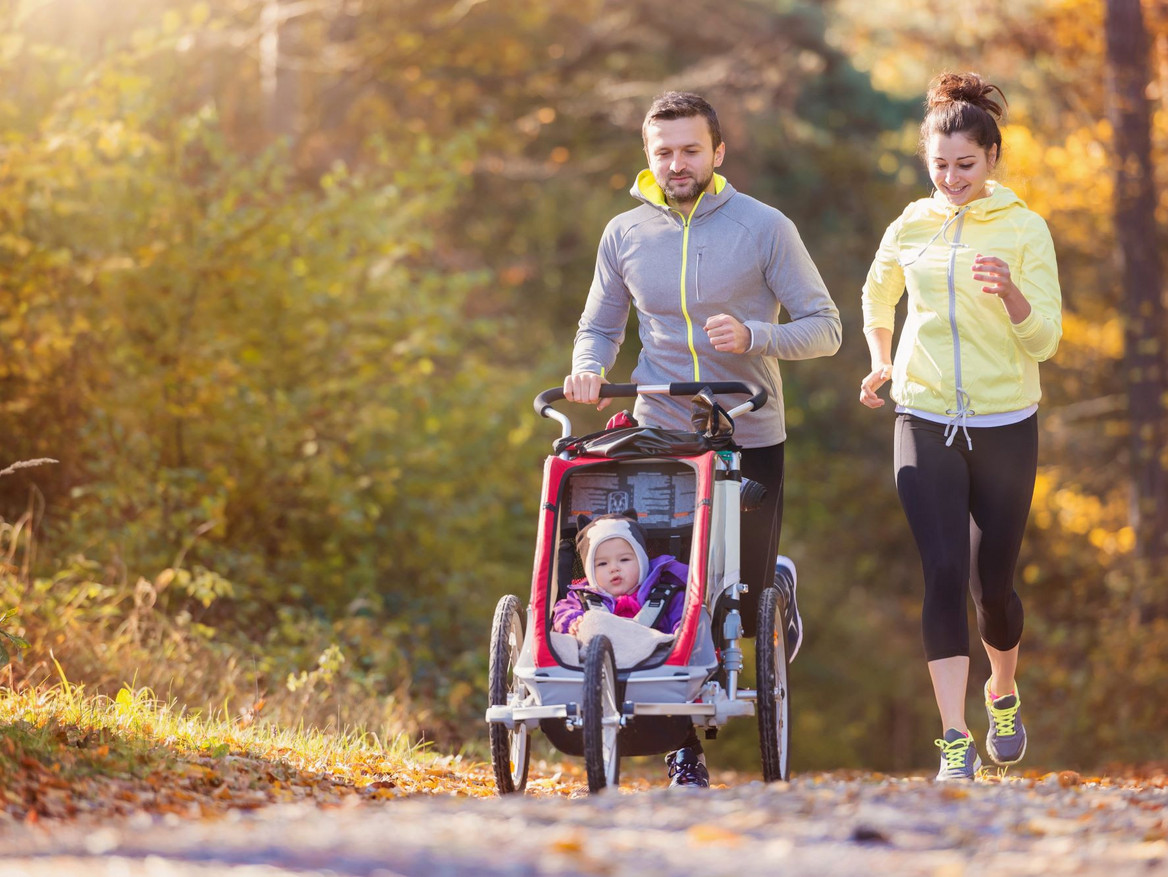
(408,41)
(1103,520)
(171,21)
(383,792)
(1156,833)
(1068,779)
(1077,512)
(1044,482)
(1122,541)
(249,715)
(11,45)
(707,834)
(520,434)
(15,244)
(110,140)
(200,13)
(569,844)
(1103,337)
(459,692)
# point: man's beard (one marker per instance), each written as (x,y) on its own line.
(687,190)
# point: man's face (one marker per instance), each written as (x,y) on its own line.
(682,157)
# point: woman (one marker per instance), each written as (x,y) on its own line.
(984,310)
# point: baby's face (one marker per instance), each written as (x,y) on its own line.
(616,568)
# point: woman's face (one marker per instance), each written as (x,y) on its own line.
(959,167)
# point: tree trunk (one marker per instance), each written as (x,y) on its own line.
(1135,227)
(279,75)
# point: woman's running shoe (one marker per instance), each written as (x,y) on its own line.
(959,759)
(1006,740)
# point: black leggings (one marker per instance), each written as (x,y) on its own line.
(759,531)
(964,504)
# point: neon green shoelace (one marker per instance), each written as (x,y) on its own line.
(1005,718)
(954,752)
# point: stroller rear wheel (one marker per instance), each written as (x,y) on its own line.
(774,693)
(510,753)
(601,716)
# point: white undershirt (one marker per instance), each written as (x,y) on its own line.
(1004,418)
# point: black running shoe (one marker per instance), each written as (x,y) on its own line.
(786,580)
(685,769)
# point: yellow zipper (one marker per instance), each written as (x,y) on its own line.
(684,310)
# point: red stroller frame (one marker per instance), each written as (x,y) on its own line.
(556,473)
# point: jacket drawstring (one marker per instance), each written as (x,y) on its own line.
(958,418)
(904,263)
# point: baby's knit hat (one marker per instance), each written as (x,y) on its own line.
(606,527)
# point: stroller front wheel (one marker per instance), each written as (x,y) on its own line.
(774,693)
(601,716)
(510,754)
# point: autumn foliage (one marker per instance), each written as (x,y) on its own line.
(279,280)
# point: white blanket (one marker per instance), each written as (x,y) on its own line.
(632,642)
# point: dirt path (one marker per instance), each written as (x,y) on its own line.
(817,825)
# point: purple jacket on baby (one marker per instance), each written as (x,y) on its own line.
(664,568)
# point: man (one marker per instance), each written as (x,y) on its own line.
(707,269)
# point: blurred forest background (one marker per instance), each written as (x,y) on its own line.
(279,279)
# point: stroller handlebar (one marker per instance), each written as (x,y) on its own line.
(758,395)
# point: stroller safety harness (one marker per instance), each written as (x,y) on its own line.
(659,597)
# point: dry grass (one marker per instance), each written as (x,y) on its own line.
(65,754)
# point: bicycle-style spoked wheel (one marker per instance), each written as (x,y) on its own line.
(601,716)
(510,754)
(774,694)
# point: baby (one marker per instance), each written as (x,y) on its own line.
(619,575)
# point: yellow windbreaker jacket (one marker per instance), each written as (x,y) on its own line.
(959,354)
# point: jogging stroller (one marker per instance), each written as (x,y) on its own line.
(688,492)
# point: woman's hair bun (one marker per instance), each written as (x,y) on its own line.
(969,88)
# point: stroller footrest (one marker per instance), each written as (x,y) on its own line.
(511,714)
(673,709)
(721,710)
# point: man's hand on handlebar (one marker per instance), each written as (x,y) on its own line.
(584,387)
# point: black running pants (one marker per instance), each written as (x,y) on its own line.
(967,510)
(759,531)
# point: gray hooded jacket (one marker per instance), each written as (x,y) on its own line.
(733,255)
